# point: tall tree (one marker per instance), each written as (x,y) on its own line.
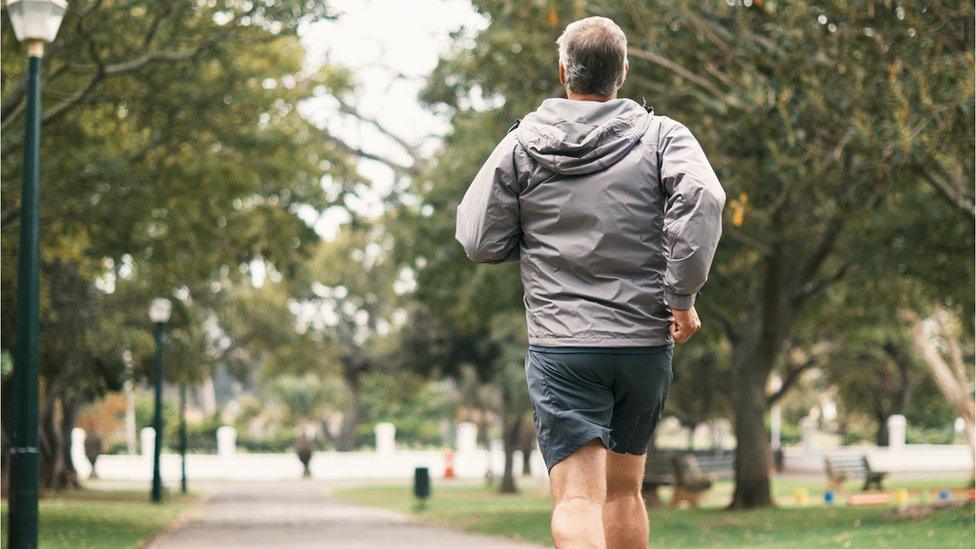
(346,306)
(804,109)
(174,154)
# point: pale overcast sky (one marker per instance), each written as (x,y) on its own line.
(379,39)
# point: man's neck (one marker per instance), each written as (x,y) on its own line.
(573,96)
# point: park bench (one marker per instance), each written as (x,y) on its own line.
(691,475)
(657,473)
(841,468)
(695,475)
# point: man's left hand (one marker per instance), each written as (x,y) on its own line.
(685,325)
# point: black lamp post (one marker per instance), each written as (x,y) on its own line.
(183,438)
(159,311)
(35,23)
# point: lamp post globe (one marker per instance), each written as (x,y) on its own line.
(35,23)
(159,311)
(36,19)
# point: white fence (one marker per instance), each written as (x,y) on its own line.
(387,462)
(897,457)
(470,461)
(950,459)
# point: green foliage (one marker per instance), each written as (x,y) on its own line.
(421,410)
(305,398)
(173,155)
(699,390)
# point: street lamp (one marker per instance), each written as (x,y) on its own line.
(35,23)
(159,311)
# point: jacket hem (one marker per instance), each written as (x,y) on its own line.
(576,341)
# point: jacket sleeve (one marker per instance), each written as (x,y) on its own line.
(693,218)
(488,224)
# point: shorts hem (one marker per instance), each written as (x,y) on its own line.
(567,450)
(623,451)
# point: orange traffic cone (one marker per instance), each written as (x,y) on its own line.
(449,464)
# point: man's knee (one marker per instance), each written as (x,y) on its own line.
(582,503)
(577,521)
(623,490)
(572,513)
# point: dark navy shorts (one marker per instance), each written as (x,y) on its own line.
(614,394)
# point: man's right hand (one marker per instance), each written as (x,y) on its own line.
(685,325)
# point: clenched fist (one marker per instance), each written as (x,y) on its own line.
(685,325)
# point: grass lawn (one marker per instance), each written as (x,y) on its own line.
(97,518)
(526,516)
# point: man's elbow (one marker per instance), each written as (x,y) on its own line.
(485,252)
(482,255)
(479,252)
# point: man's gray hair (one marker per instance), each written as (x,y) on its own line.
(593,52)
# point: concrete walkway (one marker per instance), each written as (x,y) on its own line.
(301,514)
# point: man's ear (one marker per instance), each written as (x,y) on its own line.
(562,74)
(626,71)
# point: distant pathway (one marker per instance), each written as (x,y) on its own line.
(301,514)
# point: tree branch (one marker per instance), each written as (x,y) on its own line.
(660,60)
(813,288)
(409,148)
(722,316)
(954,195)
(400,169)
(793,374)
(828,240)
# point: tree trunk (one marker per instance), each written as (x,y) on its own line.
(752,453)
(69,412)
(754,353)
(511,425)
(691,436)
(346,441)
(57,472)
(527,446)
(952,376)
(881,435)
(752,360)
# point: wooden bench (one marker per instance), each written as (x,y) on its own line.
(841,468)
(691,475)
(657,473)
(695,475)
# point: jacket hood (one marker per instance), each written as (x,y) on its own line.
(579,137)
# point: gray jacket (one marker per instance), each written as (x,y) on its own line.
(613,213)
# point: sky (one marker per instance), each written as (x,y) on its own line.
(391,46)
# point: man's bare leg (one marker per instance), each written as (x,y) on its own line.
(624,515)
(579,488)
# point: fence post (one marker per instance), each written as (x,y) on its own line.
(78,456)
(896,432)
(226,441)
(467,437)
(385,438)
(809,427)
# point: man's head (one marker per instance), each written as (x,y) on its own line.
(592,57)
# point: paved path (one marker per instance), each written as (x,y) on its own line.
(301,514)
